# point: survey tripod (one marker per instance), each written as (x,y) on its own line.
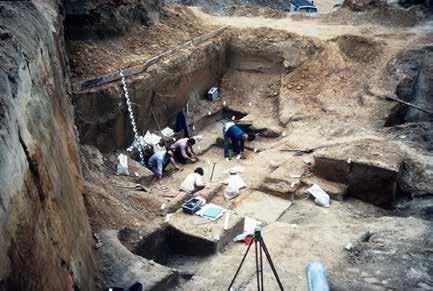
(260,248)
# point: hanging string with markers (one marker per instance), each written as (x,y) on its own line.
(132,117)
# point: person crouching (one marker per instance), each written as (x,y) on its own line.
(183,150)
(159,161)
(193,182)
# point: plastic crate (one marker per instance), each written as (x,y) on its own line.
(213,94)
(192,205)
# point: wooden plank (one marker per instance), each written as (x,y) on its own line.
(184,45)
(150,62)
(203,38)
(133,70)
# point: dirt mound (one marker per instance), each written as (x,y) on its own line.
(90,58)
(358,48)
(377,12)
(254,10)
(105,18)
(230,7)
(361,5)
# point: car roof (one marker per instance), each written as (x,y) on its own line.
(299,3)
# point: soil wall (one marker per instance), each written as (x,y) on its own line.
(101,113)
(45,237)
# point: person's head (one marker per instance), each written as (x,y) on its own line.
(199,171)
(191,141)
(169,153)
(248,137)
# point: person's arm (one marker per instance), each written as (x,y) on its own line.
(226,144)
(193,153)
(183,151)
(174,164)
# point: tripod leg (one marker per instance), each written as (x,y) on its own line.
(268,256)
(257,264)
(261,266)
(240,266)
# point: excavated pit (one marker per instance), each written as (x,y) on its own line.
(247,72)
(268,85)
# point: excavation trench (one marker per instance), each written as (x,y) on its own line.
(181,83)
(248,70)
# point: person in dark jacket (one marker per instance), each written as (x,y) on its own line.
(181,124)
(237,137)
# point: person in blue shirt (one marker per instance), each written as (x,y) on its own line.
(159,161)
(237,137)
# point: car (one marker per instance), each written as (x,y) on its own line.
(301,6)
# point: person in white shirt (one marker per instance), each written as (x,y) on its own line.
(194,181)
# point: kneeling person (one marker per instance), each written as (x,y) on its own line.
(159,161)
(193,182)
(183,151)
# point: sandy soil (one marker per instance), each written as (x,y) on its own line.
(308,25)
(91,58)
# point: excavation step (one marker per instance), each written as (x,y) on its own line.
(121,268)
(336,191)
(196,236)
(370,167)
(261,206)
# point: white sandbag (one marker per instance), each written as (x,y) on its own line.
(234,184)
(322,199)
(151,138)
(250,224)
(167,132)
(122,166)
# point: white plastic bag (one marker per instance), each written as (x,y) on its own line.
(122,166)
(322,199)
(234,184)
